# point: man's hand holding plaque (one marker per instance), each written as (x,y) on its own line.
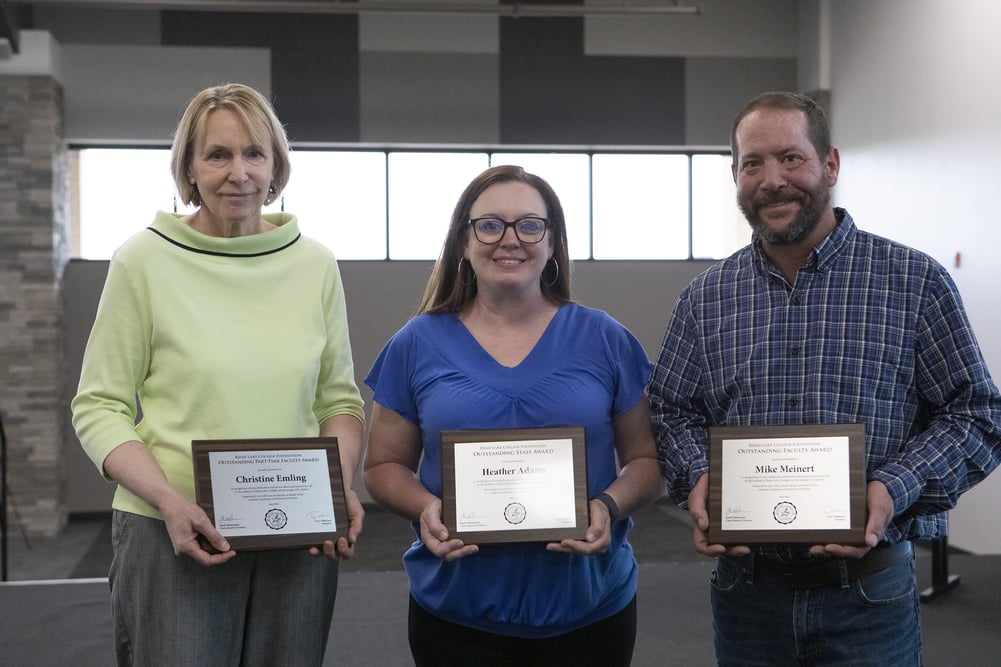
(790,484)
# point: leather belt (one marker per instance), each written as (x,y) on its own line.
(816,574)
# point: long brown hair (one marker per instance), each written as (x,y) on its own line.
(449,292)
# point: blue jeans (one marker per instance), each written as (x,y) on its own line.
(874,620)
(260,608)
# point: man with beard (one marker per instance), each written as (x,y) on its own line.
(819,322)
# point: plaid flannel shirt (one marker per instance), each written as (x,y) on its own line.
(872,332)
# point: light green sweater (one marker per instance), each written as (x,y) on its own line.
(220,338)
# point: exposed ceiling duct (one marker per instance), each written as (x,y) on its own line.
(514,9)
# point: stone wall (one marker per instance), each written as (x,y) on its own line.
(34,229)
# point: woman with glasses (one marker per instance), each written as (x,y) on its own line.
(498,344)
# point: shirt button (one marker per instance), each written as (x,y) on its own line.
(793,402)
(794,351)
(796,300)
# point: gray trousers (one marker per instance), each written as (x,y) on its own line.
(260,608)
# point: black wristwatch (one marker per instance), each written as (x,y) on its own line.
(609,502)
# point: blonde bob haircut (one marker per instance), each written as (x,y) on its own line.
(258,117)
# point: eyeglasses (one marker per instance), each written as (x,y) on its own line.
(530,229)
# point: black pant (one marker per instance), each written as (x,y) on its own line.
(438,643)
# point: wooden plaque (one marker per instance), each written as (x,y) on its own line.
(515,485)
(271,493)
(791,484)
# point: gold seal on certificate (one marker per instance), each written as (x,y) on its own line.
(271,493)
(514,485)
(791,484)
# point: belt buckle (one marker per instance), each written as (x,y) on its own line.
(816,575)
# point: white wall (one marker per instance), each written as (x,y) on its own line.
(915,110)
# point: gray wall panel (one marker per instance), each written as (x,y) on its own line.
(551,93)
(547,86)
(129,93)
(429,98)
(99,26)
(432,33)
(314,66)
(725,28)
(716,88)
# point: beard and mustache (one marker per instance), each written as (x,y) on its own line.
(813,203)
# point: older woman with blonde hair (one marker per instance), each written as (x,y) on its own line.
(222,323)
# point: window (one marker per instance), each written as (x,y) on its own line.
(718,227)
(423,189)
(339,198)
(640,206)
(118,191)
(569,175)
(396,204)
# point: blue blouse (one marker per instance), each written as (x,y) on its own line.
(585,370)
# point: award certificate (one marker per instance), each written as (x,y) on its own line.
(792,484)
(271,493)
(514,485)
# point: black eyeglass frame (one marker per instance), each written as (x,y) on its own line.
(512,225)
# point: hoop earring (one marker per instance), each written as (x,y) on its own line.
(465,283)
(556,273)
